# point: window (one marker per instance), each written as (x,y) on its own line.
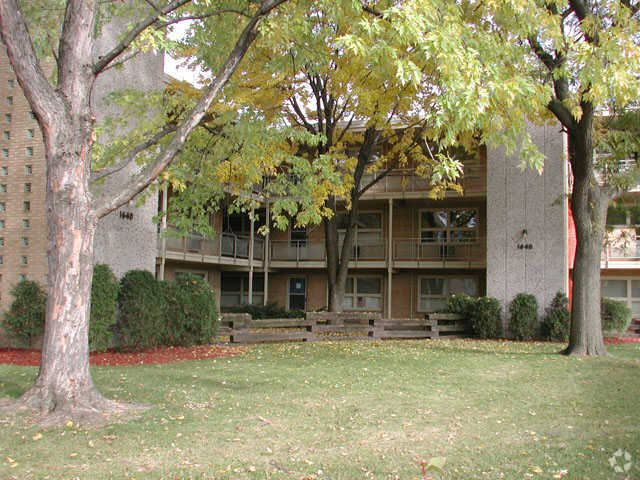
(298,237)
(23,277)
(433,291)
(11,83)
(26,206)
(4,171)
(3,207)
(7,117)
(5,153)
(626,290)
(297,293)
(32,115)
(23,260)
(1,241)
(28,169)
(7,135)
(1,260)
(10,101)
(2,224)
(234,290)
(30,133)
(29,151)
(10,68)
(368,241)
(25,223)
(3,188)
(25,241)
(449,226)
(27,187)
(363,293)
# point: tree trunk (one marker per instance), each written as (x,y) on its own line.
(589,206)
(338,258)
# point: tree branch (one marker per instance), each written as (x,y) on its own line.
(42,97)
(108,57)
(104,206)
(562,113)
(130,158)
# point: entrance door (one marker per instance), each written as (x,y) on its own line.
(297,293)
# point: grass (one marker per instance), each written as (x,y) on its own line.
(350,410)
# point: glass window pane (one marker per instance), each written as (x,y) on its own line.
(258,284)
(230,284)
(431,236)
(462,236)
(297,286)
(373,303)
(635,308)
(614,288)
(434,219)
(432,304)
(349,286)
(464,218)
(432,286)
(369,238)
(348,302)
(635,288)
(369,285)
(370,220)
(463,285)
(617,215)
(229,300)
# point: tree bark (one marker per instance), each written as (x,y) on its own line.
(589,205)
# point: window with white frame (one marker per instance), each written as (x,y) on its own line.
(368,242)
(363,293)
(433,291)
(623,289)
(234,290)
(449,225)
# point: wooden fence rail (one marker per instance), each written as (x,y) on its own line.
(241,328)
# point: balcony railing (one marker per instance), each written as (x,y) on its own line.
(625,251)
(300,251)
(412,249)
(406,180)
(225,245)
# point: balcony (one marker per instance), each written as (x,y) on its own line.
(313,254)
(621,253)
(420,252)
(405,183)
(225,248)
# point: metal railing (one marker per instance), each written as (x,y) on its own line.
(622,250)
(406,180)
(225,245)
(430,250)
(300,251)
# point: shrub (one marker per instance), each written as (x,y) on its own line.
(191,312)
(142,318)
(616,315)
(270,310)
(523,311)
(557,319)
(25,319)
(485,316)
(460,303)
(104,306)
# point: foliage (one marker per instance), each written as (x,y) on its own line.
(556,322)
(523,312)
(25,319)
(616,315)
(484,313)
(191,312)
(461,303)
(270,310)
(141,299)
(104,307)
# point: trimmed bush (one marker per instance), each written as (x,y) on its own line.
(484,313)
(270,310)
(191,312)
(556,323)
(523,311)
(486,319)
(104,306)
(25,319)
(616,315)
(141,322)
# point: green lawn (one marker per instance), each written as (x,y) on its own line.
(350,410)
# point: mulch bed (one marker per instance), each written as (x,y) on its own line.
(621,340)
(17,356)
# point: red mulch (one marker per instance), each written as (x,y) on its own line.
(17,356)
(621,340)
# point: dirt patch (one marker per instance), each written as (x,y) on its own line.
(621,340)
(15,356)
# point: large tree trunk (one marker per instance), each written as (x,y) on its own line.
(338,258)
(589,206)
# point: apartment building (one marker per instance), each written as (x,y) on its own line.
(505,235)
(125,239)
